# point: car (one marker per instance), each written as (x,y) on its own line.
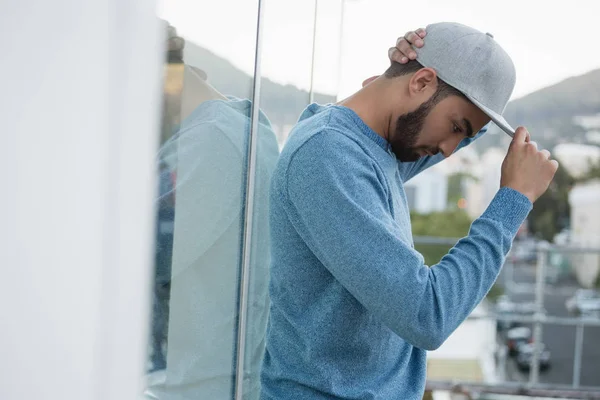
(503,325)
(584,302)
(524,251)
(516,337)
(525,356)
(506,308)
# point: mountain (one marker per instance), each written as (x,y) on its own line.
(281,103)
(549,113)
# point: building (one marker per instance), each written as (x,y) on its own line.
(480,191)
(473,363)
(576,158)
(585,230)
(428,191)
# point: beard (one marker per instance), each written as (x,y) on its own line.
(408,128)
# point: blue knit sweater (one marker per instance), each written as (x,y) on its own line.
(353,306)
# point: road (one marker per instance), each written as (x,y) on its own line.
(560,340)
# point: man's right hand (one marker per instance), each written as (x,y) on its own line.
(527,169)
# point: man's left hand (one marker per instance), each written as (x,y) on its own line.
(403,51)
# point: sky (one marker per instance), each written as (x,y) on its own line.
(547,40)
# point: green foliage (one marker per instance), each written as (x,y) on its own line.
(551,211)
(452,223)
(495,292)
(592,173)
(455,191)
(448,224)
(455,187)
(432,253)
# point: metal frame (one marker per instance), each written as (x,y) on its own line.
(311,93)
(249,213)
(540,282)
(539,319)
(516,389)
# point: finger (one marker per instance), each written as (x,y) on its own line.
(421,32)
(406,49)
(534,144)
(395,55)
(176,43)
(521,135)
(413,38)
(545,153)
(554,165)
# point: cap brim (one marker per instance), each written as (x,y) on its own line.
(497,118)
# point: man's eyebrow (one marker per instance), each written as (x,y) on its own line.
(467,123)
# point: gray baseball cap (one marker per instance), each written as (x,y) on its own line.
(472,62)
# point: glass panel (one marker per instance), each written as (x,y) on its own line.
(328,51)
(286,70)
(286,62)
(201,206)
(257,304)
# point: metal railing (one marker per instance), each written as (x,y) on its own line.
(539,318)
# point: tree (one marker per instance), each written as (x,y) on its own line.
(449,224)
(551,212)
(456,183)
(592,173)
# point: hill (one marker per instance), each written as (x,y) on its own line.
(281,103)
(549,113)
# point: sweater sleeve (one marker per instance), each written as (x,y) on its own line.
(337,199)
(409,170)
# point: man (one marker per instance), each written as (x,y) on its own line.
(353,307)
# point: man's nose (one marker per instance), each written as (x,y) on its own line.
(449,146)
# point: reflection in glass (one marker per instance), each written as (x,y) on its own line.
(203,176)
(165,217)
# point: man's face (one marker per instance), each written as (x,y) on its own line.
(432,129)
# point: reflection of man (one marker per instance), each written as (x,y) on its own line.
(353,307)
(208,157)
(163,258)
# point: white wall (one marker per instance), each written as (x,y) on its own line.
(431,191)
(585,228)
(576,158)
(488,170)
(480,334)
(78,105)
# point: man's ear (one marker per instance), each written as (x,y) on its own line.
(371,79)
(423,82)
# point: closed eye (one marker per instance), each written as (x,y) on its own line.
(456,128)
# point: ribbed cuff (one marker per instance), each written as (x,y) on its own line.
(510,208)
